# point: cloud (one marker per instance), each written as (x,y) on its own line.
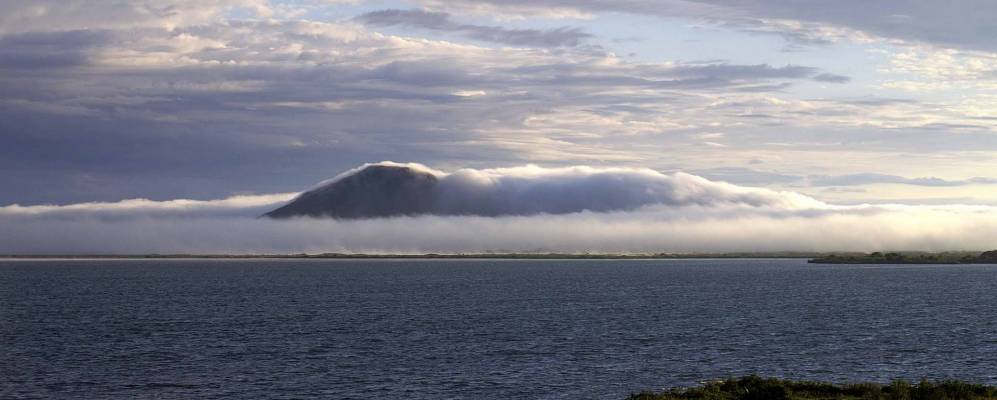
(960,24)
(391,189)
(56,15)
(166,113)
(733,72)
(872,178)
(42,50)
(785,221)
(679,229)
(235,206)
(441,21)
(755,177)
(831,78)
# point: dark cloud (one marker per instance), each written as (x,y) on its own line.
(871,101)
(831,78)
(43,50)
(749,78)
(798,39)
(964,24)
(736,72)
(961,24)
(440,21)
(426,73)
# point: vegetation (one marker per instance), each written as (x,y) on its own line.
(987,257)
(757,388)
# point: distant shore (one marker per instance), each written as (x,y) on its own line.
(986,257)
(964,257)
(525,256)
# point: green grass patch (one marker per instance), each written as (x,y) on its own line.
(987,257)
(758,388)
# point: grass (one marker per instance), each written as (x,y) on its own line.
(758,388)
(987,257)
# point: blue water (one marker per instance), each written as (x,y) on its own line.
(479,329)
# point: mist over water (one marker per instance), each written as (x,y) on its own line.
(578,209)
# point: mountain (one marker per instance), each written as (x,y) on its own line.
(374,191)
(390,189)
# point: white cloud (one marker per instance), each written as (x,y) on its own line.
(932,69)
(229,226)
(53,15)
(470,93)
(683,229)
(244,205)
(242,94)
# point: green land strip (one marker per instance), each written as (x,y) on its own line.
(986,257)
(909,257)
(757,388)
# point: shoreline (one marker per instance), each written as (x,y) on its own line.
(428,256)
(943,258)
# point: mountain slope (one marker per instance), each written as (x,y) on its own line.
(374,191)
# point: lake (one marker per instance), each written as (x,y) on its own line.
(479,329)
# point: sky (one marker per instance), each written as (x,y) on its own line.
(213,111)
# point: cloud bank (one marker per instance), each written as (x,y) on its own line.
(962,23)
(390,189)
(440,21)
(103,100)
(706,220)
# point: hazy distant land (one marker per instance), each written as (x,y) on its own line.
(987,257)
(489,255)
(912,257)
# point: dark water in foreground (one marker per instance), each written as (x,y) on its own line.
(480,329)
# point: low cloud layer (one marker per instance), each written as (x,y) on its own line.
(961,23)
(235,206)
(391,189)
(784,221)
(440,21)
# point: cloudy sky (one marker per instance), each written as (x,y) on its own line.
(225,103)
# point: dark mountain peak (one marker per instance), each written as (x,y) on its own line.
(377,190)
(387,171)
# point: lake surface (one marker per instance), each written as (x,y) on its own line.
(479,329)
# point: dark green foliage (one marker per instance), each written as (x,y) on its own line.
(988,257)
(758,388)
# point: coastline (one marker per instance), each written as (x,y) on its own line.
(485,256)
(942,258)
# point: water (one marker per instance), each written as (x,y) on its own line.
(479,329)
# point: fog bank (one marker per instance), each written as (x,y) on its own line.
(706,221)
